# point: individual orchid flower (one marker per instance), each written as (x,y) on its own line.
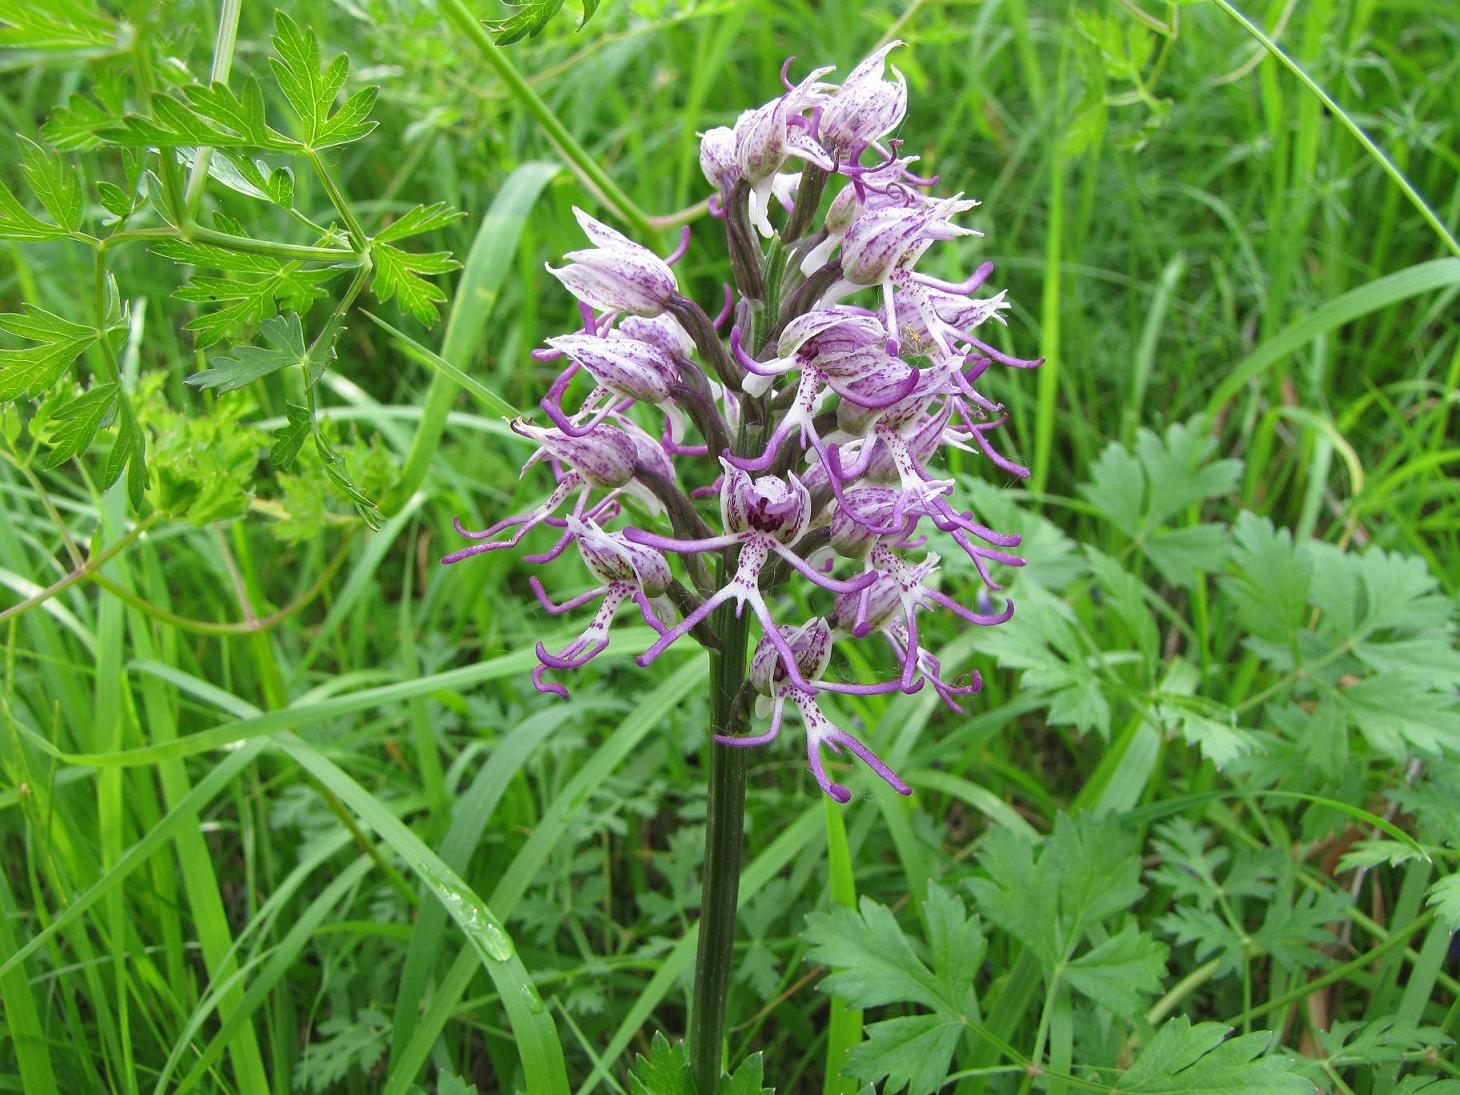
(764,517)
(767,136)
(811,645)
(625,571)
(626,369)
(834,350)
(616,274)
(602,457)
(866,107)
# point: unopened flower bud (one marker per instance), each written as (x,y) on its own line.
(604,456)
(717,158)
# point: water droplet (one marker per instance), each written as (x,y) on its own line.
(499,944)
(534,1001)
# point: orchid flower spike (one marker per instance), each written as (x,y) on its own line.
(721,473)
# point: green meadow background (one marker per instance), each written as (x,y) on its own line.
(280,810)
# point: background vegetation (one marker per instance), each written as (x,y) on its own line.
(279,808)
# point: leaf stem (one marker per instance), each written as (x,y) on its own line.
(96,561)
(577,157)
(338,200)
(223,47)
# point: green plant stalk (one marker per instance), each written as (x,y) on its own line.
(577,157)
(724,842)
(223,47)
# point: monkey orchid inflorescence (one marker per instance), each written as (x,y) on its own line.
(813,408)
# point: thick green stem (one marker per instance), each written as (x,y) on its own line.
(724,839)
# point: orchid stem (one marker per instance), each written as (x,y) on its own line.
(724,840)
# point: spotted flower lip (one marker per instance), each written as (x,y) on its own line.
(616,274)
(881,240)
(796,438)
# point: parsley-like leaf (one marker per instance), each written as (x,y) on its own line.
(532,16)
(1199,1060)
(873,963)
(55,344)
(399,273)
(76,423)
(664,1072)
(311,93)
(283,345)
(291,436)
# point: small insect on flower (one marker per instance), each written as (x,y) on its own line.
(816,408)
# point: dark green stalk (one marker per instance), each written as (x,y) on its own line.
(724,840)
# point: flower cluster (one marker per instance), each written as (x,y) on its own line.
(816,419)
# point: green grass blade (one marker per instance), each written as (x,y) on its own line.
(533,1029)
(180,816)
(1380,293)
(546,836)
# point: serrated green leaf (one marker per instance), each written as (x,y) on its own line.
(911,1052)
(956,944)
(871,960)
(1120,974)
(1270,587)
(528,20)
(129,453)
(291,436)
(1127,595)
(1182,555)
(664,1072)
(398,273)
(1376,853)
(1444,898)
(1293,932)
(18,223)
(1221,741)
(79,124)
(1383,1041)
(1087,871)
(76,423)
(1399,716)
(311,93)
(283,346)
(253,178)
(748,1079)
(1041,642)
(114,199)
(1198,1060)
(56,343)
(169,122)
(422,218)
(56,25)
(55,184)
